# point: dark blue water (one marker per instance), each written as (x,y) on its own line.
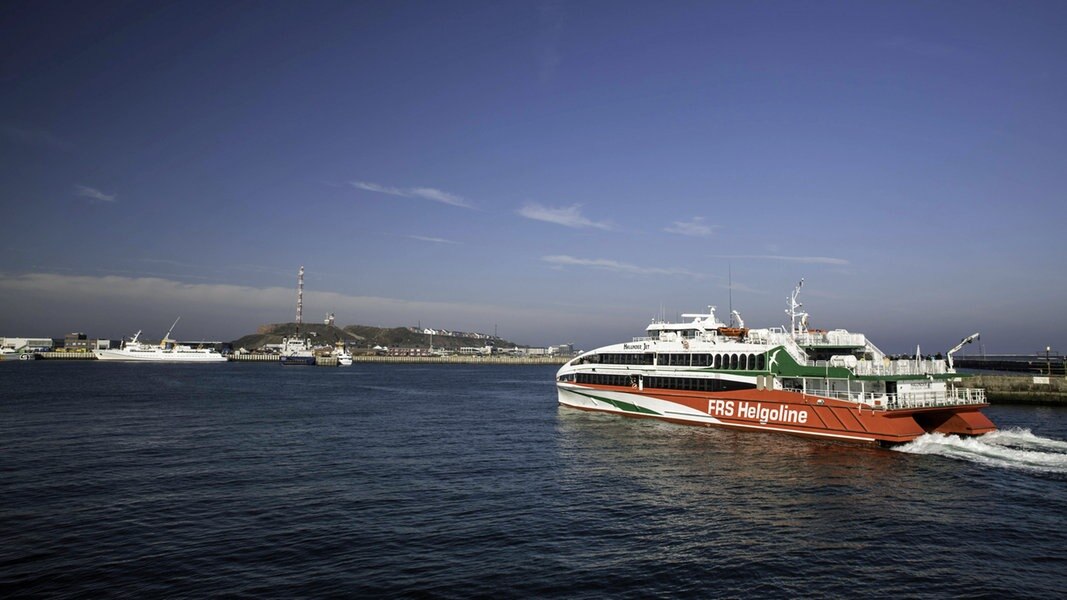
(253,480)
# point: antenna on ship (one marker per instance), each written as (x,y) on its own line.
(794,315)
(299,299)
(730,272)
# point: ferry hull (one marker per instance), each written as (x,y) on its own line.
(301,361)
(779,411)
(159,357)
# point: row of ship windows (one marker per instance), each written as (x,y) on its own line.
(663,383)
(733,362)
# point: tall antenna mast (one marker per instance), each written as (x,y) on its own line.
(299,299)
(730,271)
(798,320)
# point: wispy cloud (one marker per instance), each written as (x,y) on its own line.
(434,240)
(568,216)
(694,227)
(381,189)
(95,194)
(425,193)
(439,196)
(36,137)
(113,304)
(811,260)
(615,266)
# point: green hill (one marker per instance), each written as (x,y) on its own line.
(273,334)
(362,336)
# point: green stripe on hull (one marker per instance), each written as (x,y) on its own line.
(619,404)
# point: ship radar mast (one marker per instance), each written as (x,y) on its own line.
(798,319)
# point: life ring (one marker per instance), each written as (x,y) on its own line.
(24,357)
(685,344)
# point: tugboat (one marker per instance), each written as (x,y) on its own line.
(344,358)
(297,351)
(823,384)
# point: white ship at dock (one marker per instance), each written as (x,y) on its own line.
(167,350)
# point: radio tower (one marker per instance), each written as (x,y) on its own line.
(299,299)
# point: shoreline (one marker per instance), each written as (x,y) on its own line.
(1000,388)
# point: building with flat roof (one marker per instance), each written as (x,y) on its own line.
(26,344)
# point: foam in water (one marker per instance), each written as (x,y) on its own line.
(1011,448)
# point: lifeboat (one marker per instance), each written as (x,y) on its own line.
(734,332)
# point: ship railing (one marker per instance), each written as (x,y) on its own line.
(831,338)
(777,335)
(901,367)
(952,397)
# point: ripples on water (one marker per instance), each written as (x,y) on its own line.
(454,481)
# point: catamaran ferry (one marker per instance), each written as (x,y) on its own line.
(825,384)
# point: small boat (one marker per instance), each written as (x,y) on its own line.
(344,358)
(833,385)
(167,350)
(9,354)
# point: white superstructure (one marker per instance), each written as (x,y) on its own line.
(167,350)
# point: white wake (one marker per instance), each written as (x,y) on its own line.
(1010,448)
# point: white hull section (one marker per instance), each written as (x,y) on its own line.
(187,356)
(604,400)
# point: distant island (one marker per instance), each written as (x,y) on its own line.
(367,337)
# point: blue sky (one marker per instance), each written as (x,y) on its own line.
(559,171)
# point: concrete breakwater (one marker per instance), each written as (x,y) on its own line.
(320,361)
(424,360)
(464,360)
(65,355)
(330,361)
(1020,389)
(246,357)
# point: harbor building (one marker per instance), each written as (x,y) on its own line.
(17,344)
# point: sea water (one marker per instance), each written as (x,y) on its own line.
(254,480)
